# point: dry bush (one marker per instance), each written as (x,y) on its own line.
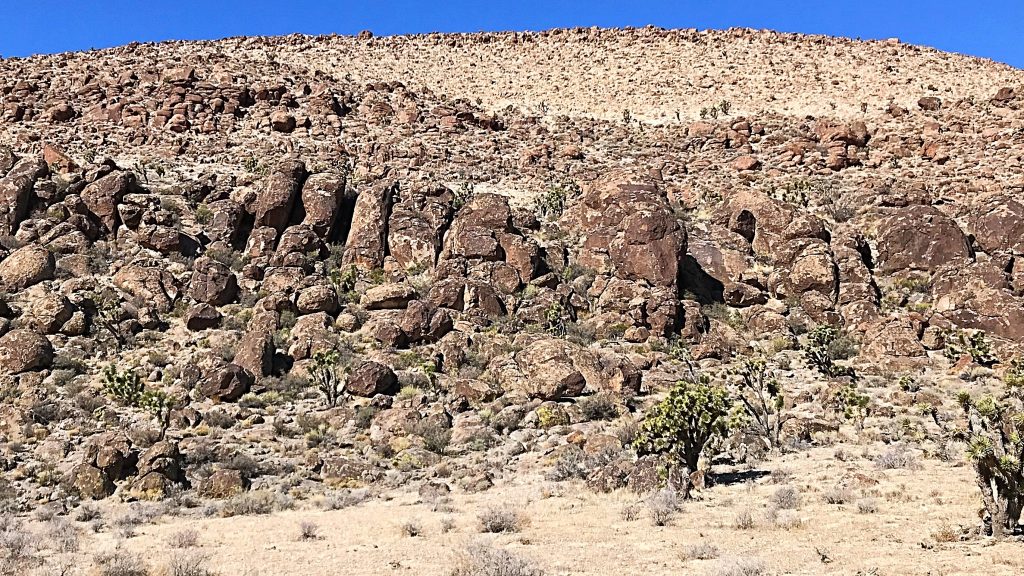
(741,567)
(184,539)
(486,560)
(187,564)
(412,528)
(838,495)
(309,530)
(346,499)
(600,406)
(120,563)
(702,551)
(504,519)
(897,457)
(630,512)
(16,543)
(63,535)
(786,498)
(447,524)
(744,520)
(867,506)
(255,503)
(663,506)
(87,513)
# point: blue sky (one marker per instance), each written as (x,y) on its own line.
(986,28)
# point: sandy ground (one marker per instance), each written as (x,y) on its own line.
(570,530)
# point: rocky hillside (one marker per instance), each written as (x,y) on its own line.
(498,240)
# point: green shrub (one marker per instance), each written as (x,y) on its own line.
(819,352)
(971,343)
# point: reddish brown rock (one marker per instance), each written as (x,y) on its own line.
(276,198)
(920,238)
(367,238)
(26,267)
(372,378)
(23,350)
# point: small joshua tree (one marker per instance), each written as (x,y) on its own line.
(969,343)
(328,376)
(818,352)
(995,439)
(760,401)
(128,389)
(682,425)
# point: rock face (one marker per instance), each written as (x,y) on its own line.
(24,350)
(103,196)
(213,283)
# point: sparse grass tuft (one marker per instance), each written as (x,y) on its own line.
(504,519)
(486,560)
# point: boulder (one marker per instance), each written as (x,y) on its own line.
(16,192)
(48,313)
(322,198)
(202,316)
(416,227)
(387,297)
(255,353)
(372,378)
(149,284)
(23,350)
(223,484)
(228,384)
(276,198)
(919,238)
(26,266)
(319,298)
(367,238)
(549,369)
(103,196)
(213,282)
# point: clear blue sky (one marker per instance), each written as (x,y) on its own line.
(983,28)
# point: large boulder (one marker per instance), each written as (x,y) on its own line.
(920,238)
(103,196)
(149,284)
(213,282)
(549,369)
(417,225)
(372,378)
(16,193)
(255,352)
(276,199)
(23,350)
(228,384)
(627,227)
(387,296)
(26,266)
(322,198)
(367,237)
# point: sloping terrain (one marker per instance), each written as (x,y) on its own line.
(507,247)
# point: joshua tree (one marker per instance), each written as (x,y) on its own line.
(760,400)
(328,375)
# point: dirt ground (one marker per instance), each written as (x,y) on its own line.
(569,530)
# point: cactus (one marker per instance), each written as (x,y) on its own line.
(682,425)
(995,440)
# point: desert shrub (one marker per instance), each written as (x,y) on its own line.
(744,520)
(346,499)
(600,406)
(786,498)
(63,535)
(485,560)
(995,440)
(897,457)
(851,404)
(630,512)
(127,388)
(255,502)
(16,543)
(494,519)
(819,353)
(663,506)
(435,434)
(702,551)
(189,563)
(309,530)
(681,425)
(87,513)
(867,506)
(741,567)
(570,465)
(838,495)
(183,539)
(120,563)
(761,403)
(412,528)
